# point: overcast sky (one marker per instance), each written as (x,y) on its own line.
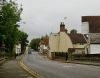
(44,16)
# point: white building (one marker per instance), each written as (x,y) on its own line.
(79,43)
(43,46)
(18,49)
(65,43)
(91,27)
(59,42)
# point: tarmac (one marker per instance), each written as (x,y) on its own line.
(79,62)
(84,62)
(11,69)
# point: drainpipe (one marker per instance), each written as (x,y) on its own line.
(88,43)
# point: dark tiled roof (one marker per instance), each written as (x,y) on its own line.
(95,38)
(94,23)
(77,38)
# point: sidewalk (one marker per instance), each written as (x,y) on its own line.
(79,62)
(11,69)
(2,60)
(85,63)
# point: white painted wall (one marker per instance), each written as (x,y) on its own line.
(60,42)
(41,48)
(18,49)
(54,42)
(64,42)
(85,27)
(94,48)
(78,45)
(45,47)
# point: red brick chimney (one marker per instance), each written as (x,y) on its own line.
(62,27)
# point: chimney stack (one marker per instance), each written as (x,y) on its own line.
(62,27)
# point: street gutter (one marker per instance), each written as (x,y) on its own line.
(34,74)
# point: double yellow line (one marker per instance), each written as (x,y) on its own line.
(34,74)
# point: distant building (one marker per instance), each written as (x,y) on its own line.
(79,43)
(18,49)
(63,42)
(59,42)
(91,27)
(43,48)
(93,23)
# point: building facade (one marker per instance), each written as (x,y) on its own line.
(79,43)
(91,27)
(61,42)
(18,49)
(43,46)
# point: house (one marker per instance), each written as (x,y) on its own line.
(43,48)
(91,27)
(63,42)
(79,43)
(59,42)
(18,49)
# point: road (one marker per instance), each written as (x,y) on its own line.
(54,69)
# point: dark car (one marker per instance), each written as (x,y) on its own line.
(29,51)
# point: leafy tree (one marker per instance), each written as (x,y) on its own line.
(9,18)
(35,43)
(73,31)
(23,41)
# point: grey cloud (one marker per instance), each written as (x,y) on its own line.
(44,16)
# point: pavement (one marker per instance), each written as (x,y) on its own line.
(55,69)
(11,69)
(2,60)
(39,66)
(84,62)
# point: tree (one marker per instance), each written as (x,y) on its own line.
(9,18)
(2,39)
(73,31)
(23,41)
(35,43)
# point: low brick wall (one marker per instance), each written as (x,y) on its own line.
(87,57)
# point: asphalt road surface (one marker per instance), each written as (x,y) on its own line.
(54,69)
